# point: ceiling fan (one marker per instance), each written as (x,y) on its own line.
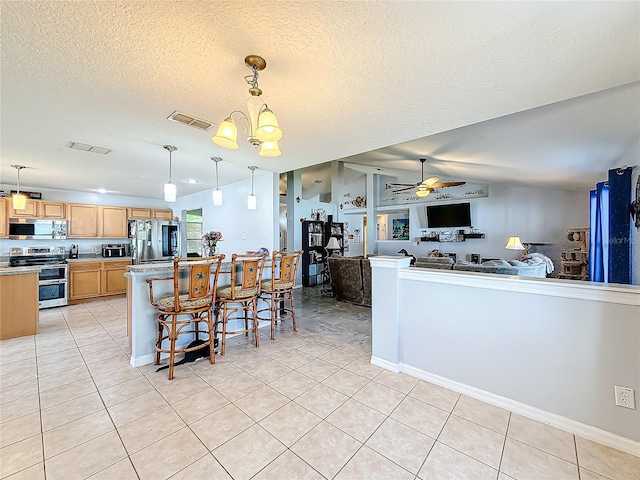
(425,187)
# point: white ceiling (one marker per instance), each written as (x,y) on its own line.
(343,78)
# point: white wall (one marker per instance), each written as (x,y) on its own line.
(534,214)
(242,229)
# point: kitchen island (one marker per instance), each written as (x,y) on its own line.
(142,316)
(19,305)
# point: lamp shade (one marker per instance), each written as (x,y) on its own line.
(170,192)
(514,243)
(216,196)
(252,202)
(227,136)
(269,149)
(333,244)
(19,201)
(268,130)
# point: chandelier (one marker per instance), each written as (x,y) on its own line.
(262,125)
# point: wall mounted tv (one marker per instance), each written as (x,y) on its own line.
(445,216)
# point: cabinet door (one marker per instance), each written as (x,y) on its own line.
(139,213)
(163,214)
(4,221)
(84,279)
(51,210)
(112,222)
(113,280)
(30,210)
(83,220)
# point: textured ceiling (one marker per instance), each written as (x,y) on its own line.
(342,77)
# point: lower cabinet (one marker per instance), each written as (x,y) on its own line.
(96,279)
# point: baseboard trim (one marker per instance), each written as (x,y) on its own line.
(386,364)
(583,430)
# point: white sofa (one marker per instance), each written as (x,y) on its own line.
(533,267)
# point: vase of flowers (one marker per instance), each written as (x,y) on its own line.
(210,243)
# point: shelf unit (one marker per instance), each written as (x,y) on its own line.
(315,236)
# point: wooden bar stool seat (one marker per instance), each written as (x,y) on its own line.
(277,292)
(239,300)
(195,282)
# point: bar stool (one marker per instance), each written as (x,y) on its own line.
(240,298)
(195,301)
(279,289)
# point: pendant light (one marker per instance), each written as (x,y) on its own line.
(252,202)
(170,189)
(19,200)
(217,193)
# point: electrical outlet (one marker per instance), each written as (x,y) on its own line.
(625,397)
(95,249)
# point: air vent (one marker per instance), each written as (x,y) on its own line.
(87,148)
(190,120)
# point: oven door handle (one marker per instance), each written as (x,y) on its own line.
(52,282)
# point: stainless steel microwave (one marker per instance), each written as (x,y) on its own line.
(37,229)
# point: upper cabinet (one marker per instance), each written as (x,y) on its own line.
(139,213)
(163,214)
(112,222)
(4,222)
(83,220)
(39,209)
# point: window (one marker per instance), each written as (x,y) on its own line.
(194,232)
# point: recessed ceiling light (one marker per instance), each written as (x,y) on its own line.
(191,180)
(102,190)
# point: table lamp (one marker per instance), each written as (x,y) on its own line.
(514,243)
(332,245)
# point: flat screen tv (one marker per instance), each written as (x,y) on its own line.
(445,216)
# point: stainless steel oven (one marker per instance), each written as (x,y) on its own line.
(53,278)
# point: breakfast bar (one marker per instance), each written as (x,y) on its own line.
(142,316)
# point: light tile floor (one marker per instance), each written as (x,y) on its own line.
(308,405)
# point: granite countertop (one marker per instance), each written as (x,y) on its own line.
(6,270)
(97,258)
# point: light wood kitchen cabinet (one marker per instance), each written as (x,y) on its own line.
(112,222)
(51,210)
(83,220)
(139,213)
(84,280)
(163,214)
(92,279)
(30,210)
(4,221)
(19,309)
(39,209)
(113,281)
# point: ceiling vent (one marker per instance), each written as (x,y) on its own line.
(190,120)
(87,148)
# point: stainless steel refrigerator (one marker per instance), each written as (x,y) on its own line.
(154,240)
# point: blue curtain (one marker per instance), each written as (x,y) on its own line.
(598,232)
(610,229)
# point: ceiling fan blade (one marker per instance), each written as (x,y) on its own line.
(404,189)
(394,185)
(447,184)
(429,181)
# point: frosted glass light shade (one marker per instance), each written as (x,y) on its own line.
(252,202)
(268,130)
(269,149)
(170,192)
(216,196)
(227,136)
(514,243)
(19,201)
(422,192)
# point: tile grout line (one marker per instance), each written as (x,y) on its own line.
(504,444)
